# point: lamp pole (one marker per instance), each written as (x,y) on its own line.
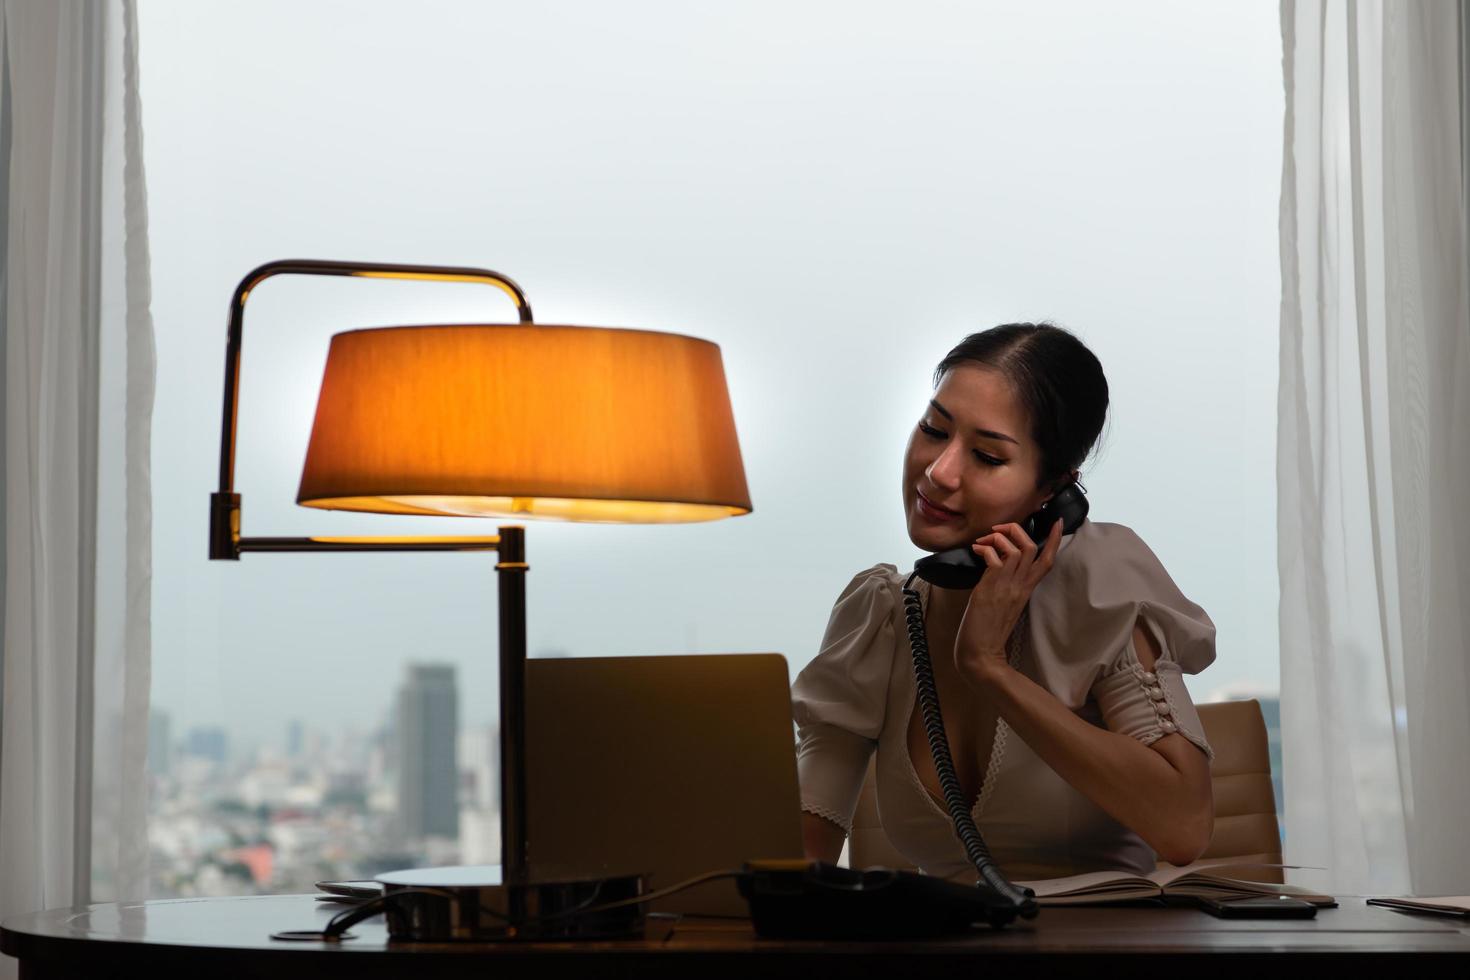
(510,573)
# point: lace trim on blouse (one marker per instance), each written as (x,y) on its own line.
(1002,730)
(827,813)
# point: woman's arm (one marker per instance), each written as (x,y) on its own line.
(821,839)
(1162,791)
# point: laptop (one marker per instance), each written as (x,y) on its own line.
(671,766)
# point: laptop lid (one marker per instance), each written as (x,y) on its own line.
(672,766)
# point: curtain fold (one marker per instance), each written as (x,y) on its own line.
(1372,457)
(78,391)
(122,662)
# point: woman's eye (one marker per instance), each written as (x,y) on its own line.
(934,433)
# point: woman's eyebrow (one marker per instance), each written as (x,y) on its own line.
(987,433)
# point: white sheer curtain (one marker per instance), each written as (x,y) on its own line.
(1373,458)
(78,395)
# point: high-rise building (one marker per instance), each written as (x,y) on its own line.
(427,759)
(208,742)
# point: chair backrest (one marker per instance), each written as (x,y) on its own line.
(1245,803)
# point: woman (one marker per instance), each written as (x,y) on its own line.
(1059,674)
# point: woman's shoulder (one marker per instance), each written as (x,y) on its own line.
(1103,580)
(1110,564)
(884,576)
(1107,534)
(866,602)
(846,683)
(1110,550)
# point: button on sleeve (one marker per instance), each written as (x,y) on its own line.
(1149,704)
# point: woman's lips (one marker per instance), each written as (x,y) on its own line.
(934,513)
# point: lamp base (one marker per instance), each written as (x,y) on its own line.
(472,903)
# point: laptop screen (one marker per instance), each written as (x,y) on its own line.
(672,766)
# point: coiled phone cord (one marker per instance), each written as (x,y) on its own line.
(979,855)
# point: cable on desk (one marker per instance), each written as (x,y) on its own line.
(636,899)
(337,926)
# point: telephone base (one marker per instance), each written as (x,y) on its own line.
(815,900)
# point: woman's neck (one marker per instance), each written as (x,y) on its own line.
(947,604)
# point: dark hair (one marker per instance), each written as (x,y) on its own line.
(1058,380)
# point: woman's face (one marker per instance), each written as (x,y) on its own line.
(971,454)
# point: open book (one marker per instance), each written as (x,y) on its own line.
(1207,878)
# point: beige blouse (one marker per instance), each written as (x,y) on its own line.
(1075,640)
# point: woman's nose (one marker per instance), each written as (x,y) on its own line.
(945,470)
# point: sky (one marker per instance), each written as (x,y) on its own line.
(835,193)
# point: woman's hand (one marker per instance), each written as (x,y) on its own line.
(1014,565)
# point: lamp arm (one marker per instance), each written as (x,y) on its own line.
(325,267)
(224,515)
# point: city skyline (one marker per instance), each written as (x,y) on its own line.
(1237,690)
(228,818)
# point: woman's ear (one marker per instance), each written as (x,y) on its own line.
(1061,483)
(1057,487)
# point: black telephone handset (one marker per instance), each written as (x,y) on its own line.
(961,568)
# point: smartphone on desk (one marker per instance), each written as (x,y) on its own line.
(1260,907)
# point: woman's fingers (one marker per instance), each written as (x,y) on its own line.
(992,560)
(1002,544)
(1010,546)
(1017,534)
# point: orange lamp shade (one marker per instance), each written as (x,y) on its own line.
(571,423)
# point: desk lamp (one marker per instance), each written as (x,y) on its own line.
(567,423)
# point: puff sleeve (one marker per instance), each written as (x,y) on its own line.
(1082,619)
(839,699)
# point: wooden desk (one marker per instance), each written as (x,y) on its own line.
(229,937)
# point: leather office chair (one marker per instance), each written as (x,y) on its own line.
(1245,803)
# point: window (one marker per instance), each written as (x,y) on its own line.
(835,196)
